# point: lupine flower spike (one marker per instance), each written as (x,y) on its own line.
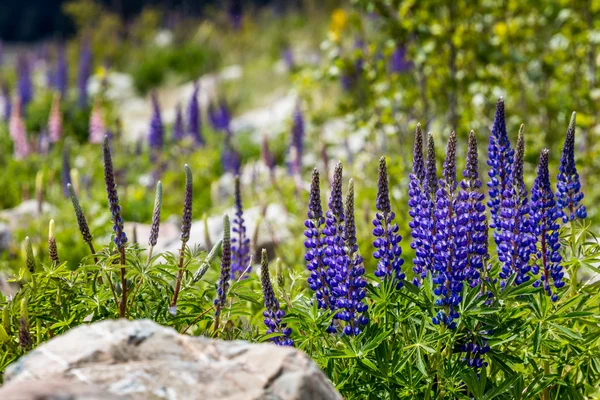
(55,120)
(350,291)
(425,208)
(30,262)
(62,71)
(297,142)
(514,238)
(81,220)
(568,193)
(17,132)
(155,225)
(544,213)
(450,243)
(315,247)
(115,209)
(273,313)
(225,271)
(186,226)
(24,85)
(470,204)
(240,243)
(156,131)
(178,129)
(335,254)
(83,74)
(25,340)
(387,243)
(193,113)
(52,249)
(97,127)
(418,211)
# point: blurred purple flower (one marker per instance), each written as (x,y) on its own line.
(156,131)
(83,74)
(24,84)
(398,63)
(193,111)
(178,128)
(62,71)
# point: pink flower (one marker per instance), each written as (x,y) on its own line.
(97,127)
(18,133)
(55,120)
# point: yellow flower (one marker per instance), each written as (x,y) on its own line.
(500,29)
(338,23)
(101,72)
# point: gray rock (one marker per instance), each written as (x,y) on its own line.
(143,360)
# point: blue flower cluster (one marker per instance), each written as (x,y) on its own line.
(388,252)
(568,193)
(470,204)
(421,190)
(332,255)
(544,213)
(273,312)
(475,349)
(314,243)
(240,243)
(514,236)
(451,250)
(350,289)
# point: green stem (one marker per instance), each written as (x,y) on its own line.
(123,305)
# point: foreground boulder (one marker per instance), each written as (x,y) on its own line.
(121,359)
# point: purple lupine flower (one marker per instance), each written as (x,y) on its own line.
(514,239)
(113,196)
(315,247)
(451,250)
(240,243)
(7,101)
(266,155)
(156,132)
(350,290)
(336,257)
(24,85)
(470,199)
(55,120)
(225,275)
(544,213)
(568,186)
(475,348)
(420,207)
(287,56)
(65,173)
(193,113)
(16,127)
(219,116)
(428,223)
(236,14)
(97,127)
(62,72)
(500,161)
(387,243)
(297,141)
(186,218)
(83,74)
(273,312)
(398,63)
(178,128)
(230,158)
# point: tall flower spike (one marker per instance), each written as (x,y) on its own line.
(431,181)
(17,132)
(350,291)
(335,253)
(297,141)
(450,242)
(240,243)
(315,247)
(7,102)
(568,186)
(273,312)
(193,113)
(55,120)
(178,129)
(24,85)
(29,257)
(420,206)
(470,203)
(186,226)
(81,220)
(52,248)
(25,340)
(514,238)
(113,196)
(223,286)
(156,133)
(387,239)
(266,154)
(97,127)
(155,225)
(62,71)
(500,161)
(544,213)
